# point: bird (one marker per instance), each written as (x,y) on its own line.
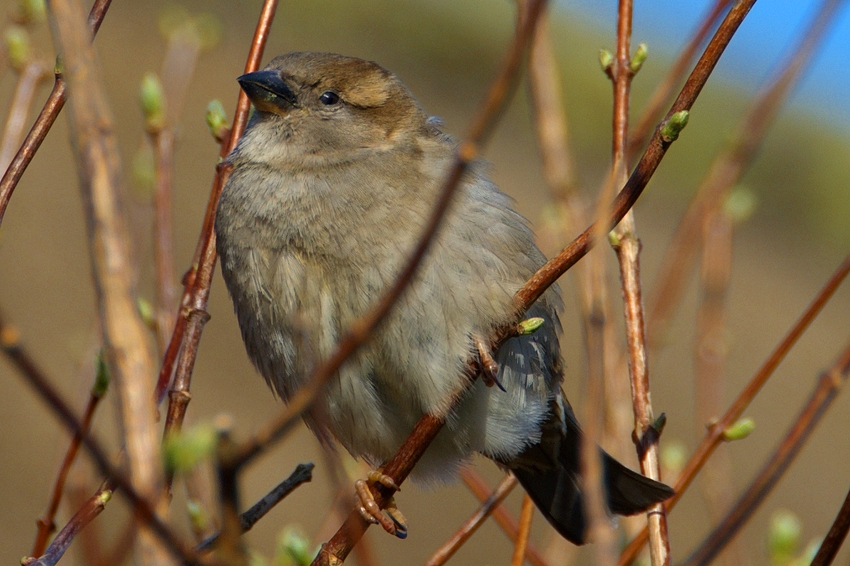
(331,184)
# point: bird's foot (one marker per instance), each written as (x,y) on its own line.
(489,366)
(391,519)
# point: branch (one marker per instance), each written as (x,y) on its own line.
(501,515)
(715,434)
(45,522)
(35,377)
(651,113)
(725,172)
(187,333)
(445,552)
(829,384)
(44,122)
(81,518)
(126,345)
(835,537)
(647,165)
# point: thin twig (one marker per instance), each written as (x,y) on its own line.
(230,548)
(652,112)
(835,537)
(19,357)
(32,74)
(126,345)
(655,151)
(45,522)
(725,172)
(445,552)
(715,434)
(525,515)
(183,347)
(46,118)
(303,473)
(503,518)
(825,392)
(710,362)
(81,518)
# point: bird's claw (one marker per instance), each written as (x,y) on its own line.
(489,366)
(390,519)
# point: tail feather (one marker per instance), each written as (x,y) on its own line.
(556,489)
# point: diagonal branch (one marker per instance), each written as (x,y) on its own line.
(829,384)
(715,434)
(127,347)
(46,118)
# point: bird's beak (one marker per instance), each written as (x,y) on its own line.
(268,91)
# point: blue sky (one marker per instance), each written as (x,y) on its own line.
(765,38)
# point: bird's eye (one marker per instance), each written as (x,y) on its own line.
(329,98)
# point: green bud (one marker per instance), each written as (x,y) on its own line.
(197,516)
(171,19)
(104,497)
(673,456)
(639,57)
(529,325)
(783,537)
(256,559)
(739,430)
(152,99)
(294,548)
(102,378)
(674,125)
(146,311)
(59,67)
(660,423)
(740,204)
(217,120)
(185,450)
(144,177)
(30,11)
(18,46)
(606,59)
(808,555)
(208,28)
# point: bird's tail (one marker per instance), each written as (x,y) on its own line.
(557,493)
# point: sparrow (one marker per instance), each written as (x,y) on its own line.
(332,182)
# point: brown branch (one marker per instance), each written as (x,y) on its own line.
(183,347)
(710,358)
(835,537)
(715,434)
(445,552)
(303,473)
(162,141)
(126,345)
(32,74)
(230,548)
(652,112)
(725,172)
(647,165)
(627,248)
(44,122)
(526,513)
(37,379)
(45,523)
(825,392)
(81,518)
(503,518)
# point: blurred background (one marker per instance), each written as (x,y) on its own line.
(446,51)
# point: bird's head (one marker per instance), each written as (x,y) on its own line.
(327,107)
